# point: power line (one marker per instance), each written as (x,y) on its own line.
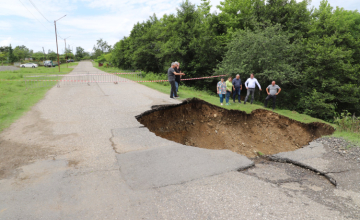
(38,10)
(33,15)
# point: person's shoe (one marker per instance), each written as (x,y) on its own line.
(221,104)
(177,96)
(244,103)
(234,101)
(240,102)
(273,109)
(227,104)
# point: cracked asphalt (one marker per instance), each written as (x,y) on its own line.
(85,156)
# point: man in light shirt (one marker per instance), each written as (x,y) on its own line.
(250,86)
(272,90)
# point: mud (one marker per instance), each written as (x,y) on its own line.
(200,124)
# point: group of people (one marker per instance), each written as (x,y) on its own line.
(174,77)
(225,88)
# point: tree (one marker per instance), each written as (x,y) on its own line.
(268,54)
(2,57)
(11,55)
(102,45)
(22,52)
(38,55)
(80,52)
(52,55)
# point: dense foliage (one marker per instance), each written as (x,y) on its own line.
(312,53)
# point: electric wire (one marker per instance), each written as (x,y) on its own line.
(34,15)
(38,10)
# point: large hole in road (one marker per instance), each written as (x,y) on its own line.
(200,124)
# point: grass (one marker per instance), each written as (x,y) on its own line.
(16,98)
(189,92)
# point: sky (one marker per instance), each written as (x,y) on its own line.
(31,22)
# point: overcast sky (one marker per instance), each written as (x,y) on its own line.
(31,22)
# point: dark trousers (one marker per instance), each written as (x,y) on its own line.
(237,92)
(173,89)
(273,97)
(250,91)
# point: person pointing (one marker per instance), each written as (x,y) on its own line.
(250,86)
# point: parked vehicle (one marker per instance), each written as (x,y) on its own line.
(70,60)
(50,63)
(32,65)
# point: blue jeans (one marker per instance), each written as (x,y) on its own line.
(237,92)
(177,86)
(228,93)
(221,98)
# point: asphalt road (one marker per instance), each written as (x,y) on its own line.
(87,157)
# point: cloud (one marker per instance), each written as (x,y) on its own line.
(5,42)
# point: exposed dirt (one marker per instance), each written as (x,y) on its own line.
(200,124)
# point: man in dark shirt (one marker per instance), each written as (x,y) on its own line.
(237,85)
(171,78)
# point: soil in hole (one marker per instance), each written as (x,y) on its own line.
(198,123)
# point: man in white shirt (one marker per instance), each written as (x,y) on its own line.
(250,86)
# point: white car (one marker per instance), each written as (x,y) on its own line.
(32,65)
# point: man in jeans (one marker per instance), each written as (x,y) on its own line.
(171,78)
(177,77)
(237,87)
(250,86)
(274,91)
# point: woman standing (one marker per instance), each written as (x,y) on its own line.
(229,87)
(221,89)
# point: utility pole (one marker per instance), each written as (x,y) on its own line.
(44,54)
(67,65)
(57,48)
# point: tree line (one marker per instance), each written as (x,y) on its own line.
(8,54)
(312,53)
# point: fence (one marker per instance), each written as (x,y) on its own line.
(77,78)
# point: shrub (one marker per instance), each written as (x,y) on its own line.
(348,122)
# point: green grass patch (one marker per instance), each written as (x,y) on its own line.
(17,98)
(189,92)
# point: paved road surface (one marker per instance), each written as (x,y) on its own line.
(84,156)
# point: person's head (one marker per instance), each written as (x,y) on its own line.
(229,78)
(176,64)
(237,76)
(252,75)
(222,79)
(173,64)
(273,83)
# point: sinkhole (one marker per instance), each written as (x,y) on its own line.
(197,123)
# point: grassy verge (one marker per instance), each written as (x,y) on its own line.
(189,92)
(16,98)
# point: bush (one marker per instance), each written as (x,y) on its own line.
(348,122)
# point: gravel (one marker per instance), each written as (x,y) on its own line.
(342,147)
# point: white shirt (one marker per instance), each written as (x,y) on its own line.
(250,83)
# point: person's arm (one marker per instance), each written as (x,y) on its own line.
(278,91)
(179,74)
(257,83)
(247,83)
(267,90)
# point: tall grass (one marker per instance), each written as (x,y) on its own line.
(348,122)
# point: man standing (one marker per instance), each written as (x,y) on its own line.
(274,91)
(171,78)
(250,86)
(177,77)
(237,86)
